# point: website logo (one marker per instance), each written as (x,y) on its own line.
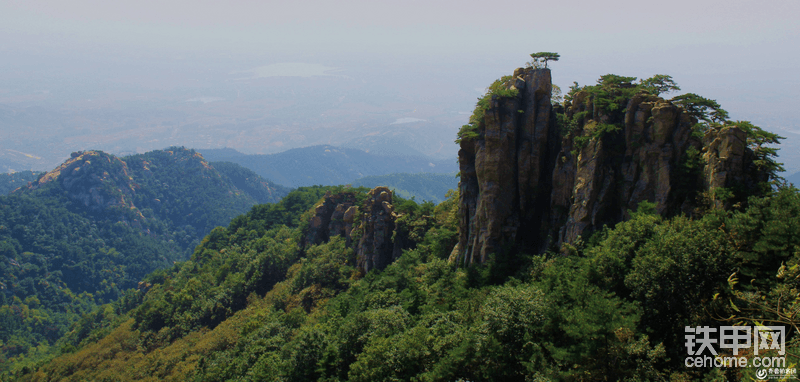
(762,347)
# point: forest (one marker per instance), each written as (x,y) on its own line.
(63,257)
(259,301)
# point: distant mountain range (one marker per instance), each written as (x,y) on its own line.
(422,187)
(329,165)
(794,179)
(12,181)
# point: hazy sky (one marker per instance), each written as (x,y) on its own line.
(742,53)
(407,26)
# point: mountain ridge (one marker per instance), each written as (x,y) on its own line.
(88,231)
(329,165)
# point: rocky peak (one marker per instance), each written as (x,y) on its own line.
(534,175)
(97,180)
(375,249)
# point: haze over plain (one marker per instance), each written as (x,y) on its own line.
(129,77)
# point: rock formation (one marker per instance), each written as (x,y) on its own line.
(333,217)
(375,247)
(374,230)
(729,164)
(530,183)
(96,180)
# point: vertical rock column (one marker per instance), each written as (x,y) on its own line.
(501,171)
(729,165)
(375,247)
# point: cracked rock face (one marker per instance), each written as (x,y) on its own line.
(528,185)
(333,217)
(375,248)
(376,232)
(368,229)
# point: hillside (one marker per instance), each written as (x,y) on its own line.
(87,231)
(328,165)
(585,238)
(11,181)
(421,187)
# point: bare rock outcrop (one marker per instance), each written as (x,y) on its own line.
(532,179)
(98,181)
(375,247)
(729,165)
(375,231)
(333,217)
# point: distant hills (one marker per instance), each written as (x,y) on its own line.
(87,231)
(422,187)
(12,181)
(794,179)
(329,165)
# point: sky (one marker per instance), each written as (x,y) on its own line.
(744,54)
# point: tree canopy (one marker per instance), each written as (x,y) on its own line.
(541,58)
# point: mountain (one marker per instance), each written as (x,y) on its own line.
(87,231)
(329,165)
(11,181)
(421,187)
(540,175)
(686,236)
(794,179)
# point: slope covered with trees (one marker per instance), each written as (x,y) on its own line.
(253,304)
(86,232)
(285,292)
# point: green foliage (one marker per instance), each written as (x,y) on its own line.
(690,174)
(500,88)
(203,198)
(659,84)
(249,256)
(541,58)
(767,234)
(69,255)
(556,96)
(614,309)
(701,108)
(66,263)
(612,92)
(250,183)
(757,140)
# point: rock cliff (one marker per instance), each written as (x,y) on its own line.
(375,249)
(376,232)
(333,217)
(535,175)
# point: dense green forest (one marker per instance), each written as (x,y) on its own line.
(67,247)
(259,301)
(252,304)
